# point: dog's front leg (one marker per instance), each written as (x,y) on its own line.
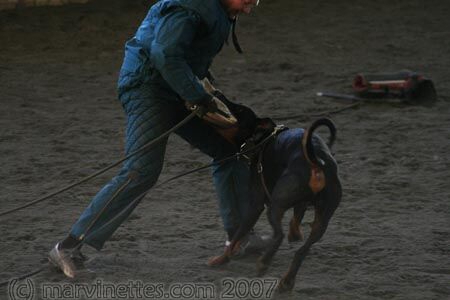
(275,215)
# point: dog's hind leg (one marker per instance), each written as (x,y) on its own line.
(295,229)
(328,200)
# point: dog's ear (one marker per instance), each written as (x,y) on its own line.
(264,127)
(246,121)
(265,124)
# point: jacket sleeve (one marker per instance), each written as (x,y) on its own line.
(173,36)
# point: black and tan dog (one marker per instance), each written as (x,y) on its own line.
(295,170)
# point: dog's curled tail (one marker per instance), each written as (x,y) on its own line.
(307,145)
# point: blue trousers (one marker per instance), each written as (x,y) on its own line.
(151,110)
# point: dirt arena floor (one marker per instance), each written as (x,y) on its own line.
(60,121)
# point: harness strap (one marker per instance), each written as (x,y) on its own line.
(259,165)
(236,44)
(260,170)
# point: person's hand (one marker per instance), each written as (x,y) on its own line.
(213,111)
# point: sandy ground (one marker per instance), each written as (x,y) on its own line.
(60,121)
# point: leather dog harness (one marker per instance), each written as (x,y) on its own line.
(259,166)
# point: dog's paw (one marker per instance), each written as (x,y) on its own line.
(295,231)
(285,285)
(218,260)
(295,236)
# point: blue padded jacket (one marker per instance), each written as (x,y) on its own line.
(178,39)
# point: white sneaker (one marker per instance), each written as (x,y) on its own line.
(62,259)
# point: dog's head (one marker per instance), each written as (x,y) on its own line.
(249,124)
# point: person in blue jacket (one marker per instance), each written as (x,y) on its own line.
(164,62)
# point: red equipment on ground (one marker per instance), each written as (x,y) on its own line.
(410,85)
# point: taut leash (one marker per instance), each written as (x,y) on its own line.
(99,172)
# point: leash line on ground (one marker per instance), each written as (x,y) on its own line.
(99,172)
(24,276)
(320,114)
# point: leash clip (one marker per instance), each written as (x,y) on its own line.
(244,154)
